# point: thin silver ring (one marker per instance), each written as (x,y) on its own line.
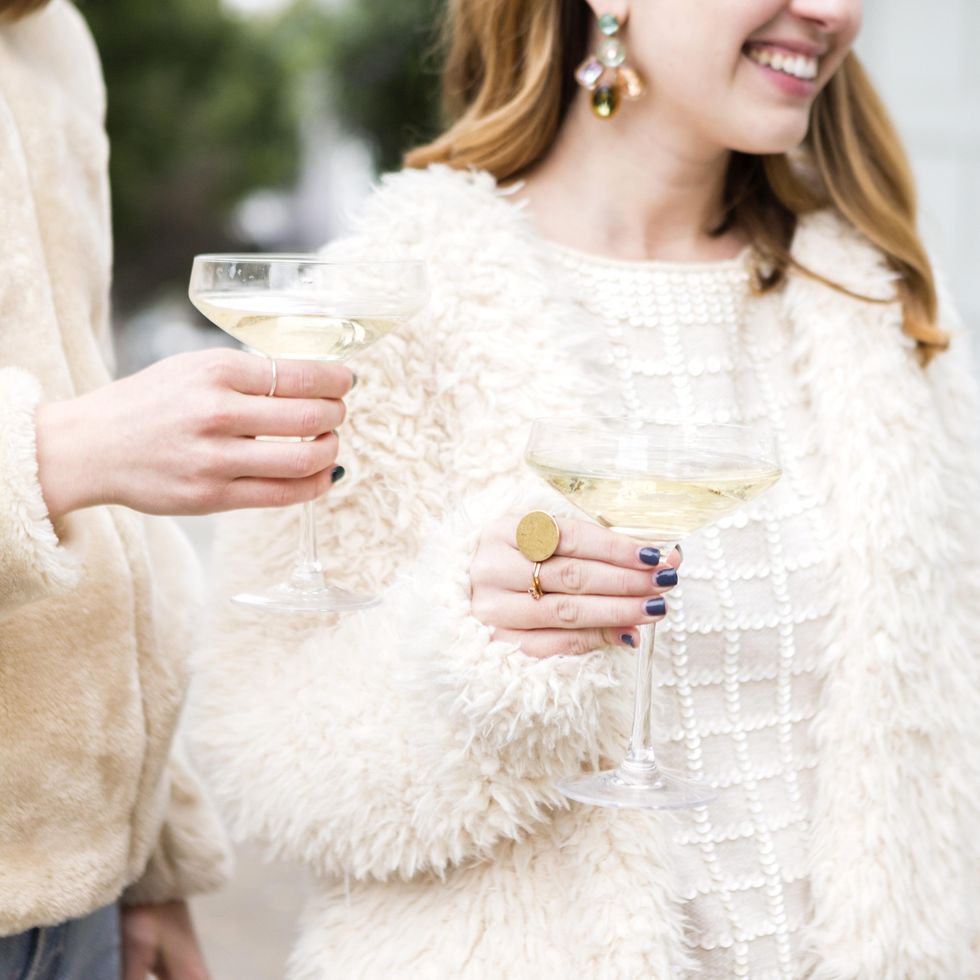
(275,378)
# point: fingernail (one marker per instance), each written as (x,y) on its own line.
(655,607)
(627,639)
(667,576)
(650,556)
(337,474)
(353,383)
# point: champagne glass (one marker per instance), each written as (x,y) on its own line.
(308,308)
(656,482)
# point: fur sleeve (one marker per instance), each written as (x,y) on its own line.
(404,738)
(33,564)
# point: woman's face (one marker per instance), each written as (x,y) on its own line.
(739,74)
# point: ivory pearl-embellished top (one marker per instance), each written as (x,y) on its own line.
(736,656)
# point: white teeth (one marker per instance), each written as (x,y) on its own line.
(799,66)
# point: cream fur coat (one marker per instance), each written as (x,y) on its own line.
(409,759)
(96,613)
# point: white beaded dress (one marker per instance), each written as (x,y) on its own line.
(736,657)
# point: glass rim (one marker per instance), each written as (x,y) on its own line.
(307,257)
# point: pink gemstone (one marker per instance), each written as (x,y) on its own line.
(630,83)
(589,72)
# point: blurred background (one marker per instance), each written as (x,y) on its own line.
(260,125)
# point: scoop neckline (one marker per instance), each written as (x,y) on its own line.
(641,265)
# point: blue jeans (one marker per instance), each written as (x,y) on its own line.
(79,949)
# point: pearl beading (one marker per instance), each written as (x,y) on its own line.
(737,655)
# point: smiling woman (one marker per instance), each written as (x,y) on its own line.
(735,244)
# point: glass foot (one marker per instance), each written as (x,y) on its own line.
(321,599)
(650,790)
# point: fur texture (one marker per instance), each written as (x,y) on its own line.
(96,613)
(409,759)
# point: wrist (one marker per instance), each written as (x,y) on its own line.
(66,478)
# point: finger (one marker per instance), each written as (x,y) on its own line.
(284,460)
(181,960)
(553,643)
(252,374)
(258,492)
(253,416)
(513,611)
(583,539)
(510,570)
(137,960)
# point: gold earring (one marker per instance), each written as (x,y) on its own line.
(605,73)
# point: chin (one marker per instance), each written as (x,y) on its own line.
(767,141)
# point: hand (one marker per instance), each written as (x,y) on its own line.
(177,438)
(159,940)
(597,586)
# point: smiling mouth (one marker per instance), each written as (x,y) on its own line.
(802,66)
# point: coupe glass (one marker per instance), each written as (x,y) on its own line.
(307,308)
(656,482)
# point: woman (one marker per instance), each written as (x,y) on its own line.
(97,808)
(737,242)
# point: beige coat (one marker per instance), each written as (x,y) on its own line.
(95,613)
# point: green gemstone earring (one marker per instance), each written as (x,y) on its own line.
(605,73)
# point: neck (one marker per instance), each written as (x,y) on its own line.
(642,189)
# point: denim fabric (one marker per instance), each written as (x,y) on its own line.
(80,949)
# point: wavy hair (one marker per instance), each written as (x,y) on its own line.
(508,81)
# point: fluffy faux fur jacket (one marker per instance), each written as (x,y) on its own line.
(96,613)
(409,759)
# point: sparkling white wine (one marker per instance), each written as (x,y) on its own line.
(662,505)
(289,326)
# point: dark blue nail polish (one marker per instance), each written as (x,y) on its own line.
(337,474)
(655,607)
(627,639)
(667,577)
(650,556)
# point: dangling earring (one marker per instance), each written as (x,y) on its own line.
(605,75)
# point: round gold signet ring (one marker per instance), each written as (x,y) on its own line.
(537,540)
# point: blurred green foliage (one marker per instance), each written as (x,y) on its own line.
(205,106)
(384,69)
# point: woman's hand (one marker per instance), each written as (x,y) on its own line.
(598,587)
(159,941)
(178,437)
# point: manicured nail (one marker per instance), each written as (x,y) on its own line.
(667,576)
(627,639)
(650,556)
(353,383)
(337,474)
(655,607)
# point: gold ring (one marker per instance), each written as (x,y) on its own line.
(537,540)
(536,592)
(275,379)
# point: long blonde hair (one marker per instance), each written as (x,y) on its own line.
(15,9)
(508,83)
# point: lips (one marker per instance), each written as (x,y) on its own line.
(797,64)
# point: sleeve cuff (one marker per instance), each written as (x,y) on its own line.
(192,855)
(33,564)
(534,716)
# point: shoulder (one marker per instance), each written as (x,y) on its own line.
(57,43)
(829,245)
(440,208)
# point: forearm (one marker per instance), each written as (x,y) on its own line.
(399,740)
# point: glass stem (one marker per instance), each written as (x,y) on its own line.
(307,572)
(640,760)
